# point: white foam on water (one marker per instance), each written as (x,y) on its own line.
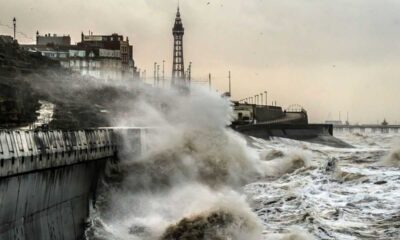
(358,199)
(196,168)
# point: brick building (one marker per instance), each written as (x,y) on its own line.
(106,57)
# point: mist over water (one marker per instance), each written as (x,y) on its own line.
(199,179)
(187,185)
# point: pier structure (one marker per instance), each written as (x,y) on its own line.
(367,128)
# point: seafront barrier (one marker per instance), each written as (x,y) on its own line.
(48,179)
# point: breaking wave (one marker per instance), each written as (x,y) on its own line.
(188,178)
(282,163)
(393,158)
(198,179)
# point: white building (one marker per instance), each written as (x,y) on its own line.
(108,58)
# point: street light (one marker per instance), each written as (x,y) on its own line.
(15,27)
(163,74)
(155,73)
(266,98)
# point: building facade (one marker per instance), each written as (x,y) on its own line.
(52,40)
(106,57)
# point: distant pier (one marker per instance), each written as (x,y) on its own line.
(370,128)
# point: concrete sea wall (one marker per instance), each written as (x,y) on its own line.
(47,180)
(293,131)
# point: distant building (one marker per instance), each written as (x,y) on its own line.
(107,57)
(52,40)
(114,54)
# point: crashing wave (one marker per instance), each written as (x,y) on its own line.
(392,159)
(287,164)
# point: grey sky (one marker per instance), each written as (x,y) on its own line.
(328,56)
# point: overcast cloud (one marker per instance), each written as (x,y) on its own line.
(328,56)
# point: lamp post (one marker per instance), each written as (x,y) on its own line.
(230,90)
(15,27)
(266,98)
(209,81)
(155,73)
(190,73)
(163,74)
(158,75)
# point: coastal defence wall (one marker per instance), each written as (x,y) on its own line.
(48,179)
(293,131)
(315,133)
(268,113)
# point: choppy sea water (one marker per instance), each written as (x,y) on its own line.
(343,193)
(309,191)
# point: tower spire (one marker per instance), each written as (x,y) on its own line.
(178,67)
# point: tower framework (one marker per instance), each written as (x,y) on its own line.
(178,68)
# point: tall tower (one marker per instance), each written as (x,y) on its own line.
(178,69)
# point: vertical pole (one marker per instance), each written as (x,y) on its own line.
(230,90)
(261,101)
(266,96)
(209,81)
(15,27)
(163,73)
(190,73)
(155,73)
(158,75)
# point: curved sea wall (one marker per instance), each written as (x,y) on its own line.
(47,180)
